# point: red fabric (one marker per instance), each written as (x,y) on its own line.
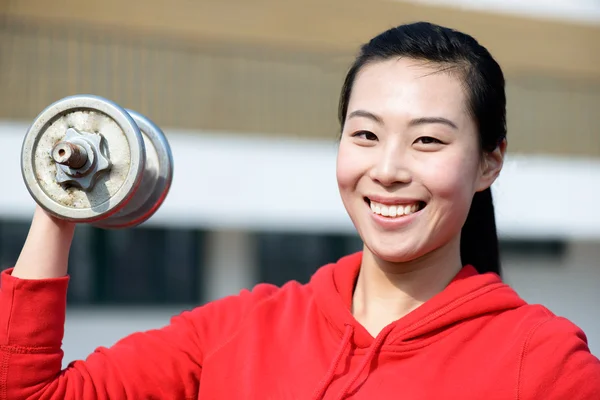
(475,340)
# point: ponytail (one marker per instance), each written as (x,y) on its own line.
(479,244)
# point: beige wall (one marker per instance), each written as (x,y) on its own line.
(277,69)
(333,26)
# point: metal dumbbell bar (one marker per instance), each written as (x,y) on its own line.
(88,160)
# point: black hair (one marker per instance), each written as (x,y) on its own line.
(485,86)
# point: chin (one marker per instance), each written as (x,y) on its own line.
(393,253)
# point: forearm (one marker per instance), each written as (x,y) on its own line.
(45,253)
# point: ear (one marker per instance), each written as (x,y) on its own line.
(491,165)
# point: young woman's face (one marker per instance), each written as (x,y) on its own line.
(409,160)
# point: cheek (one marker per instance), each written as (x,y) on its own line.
(452,177)
(348,168)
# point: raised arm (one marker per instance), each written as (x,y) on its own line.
(163,363)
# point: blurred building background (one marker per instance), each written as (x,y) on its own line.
(246,92)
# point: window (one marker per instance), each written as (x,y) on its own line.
(146,265)
(296,256)
(12,237)
(533,248)
(138,266)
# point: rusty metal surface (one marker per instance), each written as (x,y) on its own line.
(156,181)
(83,159)
(124,148)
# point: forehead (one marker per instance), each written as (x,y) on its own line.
(409,88)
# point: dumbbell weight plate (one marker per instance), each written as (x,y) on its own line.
(156,180)
(123,145)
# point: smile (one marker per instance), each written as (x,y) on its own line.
(396,210)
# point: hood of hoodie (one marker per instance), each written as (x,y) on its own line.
(468,296)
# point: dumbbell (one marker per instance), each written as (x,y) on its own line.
(86,159)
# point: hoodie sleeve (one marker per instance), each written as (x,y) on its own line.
(557,364)
(163,363)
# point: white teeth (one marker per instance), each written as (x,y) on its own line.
(394,211)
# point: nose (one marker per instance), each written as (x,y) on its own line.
(389,169)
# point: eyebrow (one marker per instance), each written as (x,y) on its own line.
(433,120)
(365,114)
(414,122)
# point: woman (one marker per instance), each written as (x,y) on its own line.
(420,313)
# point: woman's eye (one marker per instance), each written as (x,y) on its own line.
(365,135)
(428,140)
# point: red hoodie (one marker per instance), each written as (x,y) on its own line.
(475,340)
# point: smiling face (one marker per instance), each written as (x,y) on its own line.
(409,160)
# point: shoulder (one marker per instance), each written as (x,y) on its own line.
(216,322)
(249,301)
(555,360)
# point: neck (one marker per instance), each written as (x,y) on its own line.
(386,292)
